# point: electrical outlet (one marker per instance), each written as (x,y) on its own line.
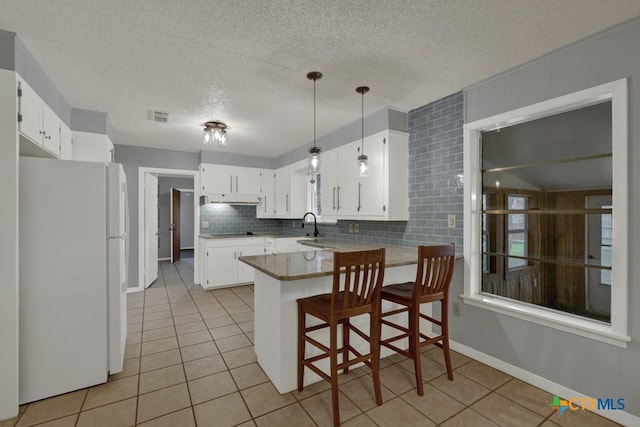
(350,228)
(356,228)
(456,309)
(451,219)
(204,224)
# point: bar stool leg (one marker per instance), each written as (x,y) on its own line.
(414,327)
(375,329)
(345,344)
(445,337)
(301,342)
(333,357)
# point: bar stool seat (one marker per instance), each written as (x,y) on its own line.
(357,280)
(433,277)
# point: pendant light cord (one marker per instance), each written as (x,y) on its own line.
(314,113)
(362,125)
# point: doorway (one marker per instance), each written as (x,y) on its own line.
(181,207)
(153,233)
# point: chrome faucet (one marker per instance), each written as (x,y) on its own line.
(315,224)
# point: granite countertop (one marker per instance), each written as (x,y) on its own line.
(318,263)
(236,236)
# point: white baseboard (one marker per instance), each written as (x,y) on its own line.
(131,289)
(164,259)
(621,417)
(188,247)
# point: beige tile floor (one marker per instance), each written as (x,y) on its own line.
(190,361)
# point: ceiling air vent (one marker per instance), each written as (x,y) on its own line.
(159,116)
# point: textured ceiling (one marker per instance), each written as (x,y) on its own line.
(245,62)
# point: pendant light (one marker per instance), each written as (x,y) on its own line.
(314,152)
(215,132)
(362,158)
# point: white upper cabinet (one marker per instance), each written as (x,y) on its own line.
(298,188)
(230,184)
(37,123)
(51,127)
(347,188)
(282,192)
(92,147)
(66,149)
(216,179)
(247,180)
(382,195)
(31,108)
(329,185)
(371,195)
(267,207)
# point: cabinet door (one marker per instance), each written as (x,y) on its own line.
(222,266)
(217,179)
(51,126)
(299,186)
(371,190)
(246,180)
(347,191)
(246,274)
(31,111)
(329,185)
(282,192)
(267,207)
(65,142)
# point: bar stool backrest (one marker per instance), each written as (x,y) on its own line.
(435,268)
(357,279)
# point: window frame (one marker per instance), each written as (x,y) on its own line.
(615,332)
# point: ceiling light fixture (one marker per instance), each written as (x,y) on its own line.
(314,152)
(215,132)
(362,158)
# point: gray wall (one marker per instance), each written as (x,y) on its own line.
(590,367)
(131,159)
(165,184)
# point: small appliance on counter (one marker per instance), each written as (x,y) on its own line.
(73,275)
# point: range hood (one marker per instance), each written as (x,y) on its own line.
(231,198)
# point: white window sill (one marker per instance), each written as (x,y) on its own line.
(553,319)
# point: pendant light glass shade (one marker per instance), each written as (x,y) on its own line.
(314,152)
(363,165)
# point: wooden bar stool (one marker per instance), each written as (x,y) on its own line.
(357,280)
(435,268)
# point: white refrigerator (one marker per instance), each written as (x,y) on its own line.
(73,220)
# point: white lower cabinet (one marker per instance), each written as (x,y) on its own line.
(221,260)
(246,274)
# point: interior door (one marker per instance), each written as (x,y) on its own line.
(150,229)
(174,222)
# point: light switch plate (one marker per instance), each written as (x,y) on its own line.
(350,228)
(356,228)
(451,219)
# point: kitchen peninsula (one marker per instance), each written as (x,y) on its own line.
(280,279)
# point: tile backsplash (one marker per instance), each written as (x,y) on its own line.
(234,219)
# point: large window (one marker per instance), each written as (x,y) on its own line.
(548,240)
